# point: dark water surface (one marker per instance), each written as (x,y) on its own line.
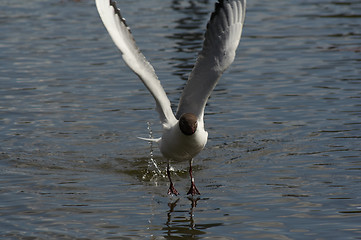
(283,157)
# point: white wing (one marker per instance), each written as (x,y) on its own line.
(123,39)
(223,34)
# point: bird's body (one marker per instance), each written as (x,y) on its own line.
(183,134)
(178,146)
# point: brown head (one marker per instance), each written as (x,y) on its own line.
(188,123)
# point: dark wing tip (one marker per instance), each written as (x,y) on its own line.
(117,11)
(217,7)
(114,5)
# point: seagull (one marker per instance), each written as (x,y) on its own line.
(183,134)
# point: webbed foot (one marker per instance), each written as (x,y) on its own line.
(172,190)
(193,190)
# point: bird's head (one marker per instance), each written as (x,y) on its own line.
(188,123)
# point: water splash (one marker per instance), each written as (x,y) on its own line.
(152,163)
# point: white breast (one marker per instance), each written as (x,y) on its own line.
(177,146)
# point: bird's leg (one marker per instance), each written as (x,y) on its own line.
(171,189)
(193,190)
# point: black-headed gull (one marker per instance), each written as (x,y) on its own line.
(183,133)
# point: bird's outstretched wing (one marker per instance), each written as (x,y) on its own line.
(223,34)
(123,39)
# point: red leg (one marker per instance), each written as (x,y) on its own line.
(193,190)
(171,189)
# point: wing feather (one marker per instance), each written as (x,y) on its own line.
(222,36)
(123,39)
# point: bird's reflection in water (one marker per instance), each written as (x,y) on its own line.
(181,223)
